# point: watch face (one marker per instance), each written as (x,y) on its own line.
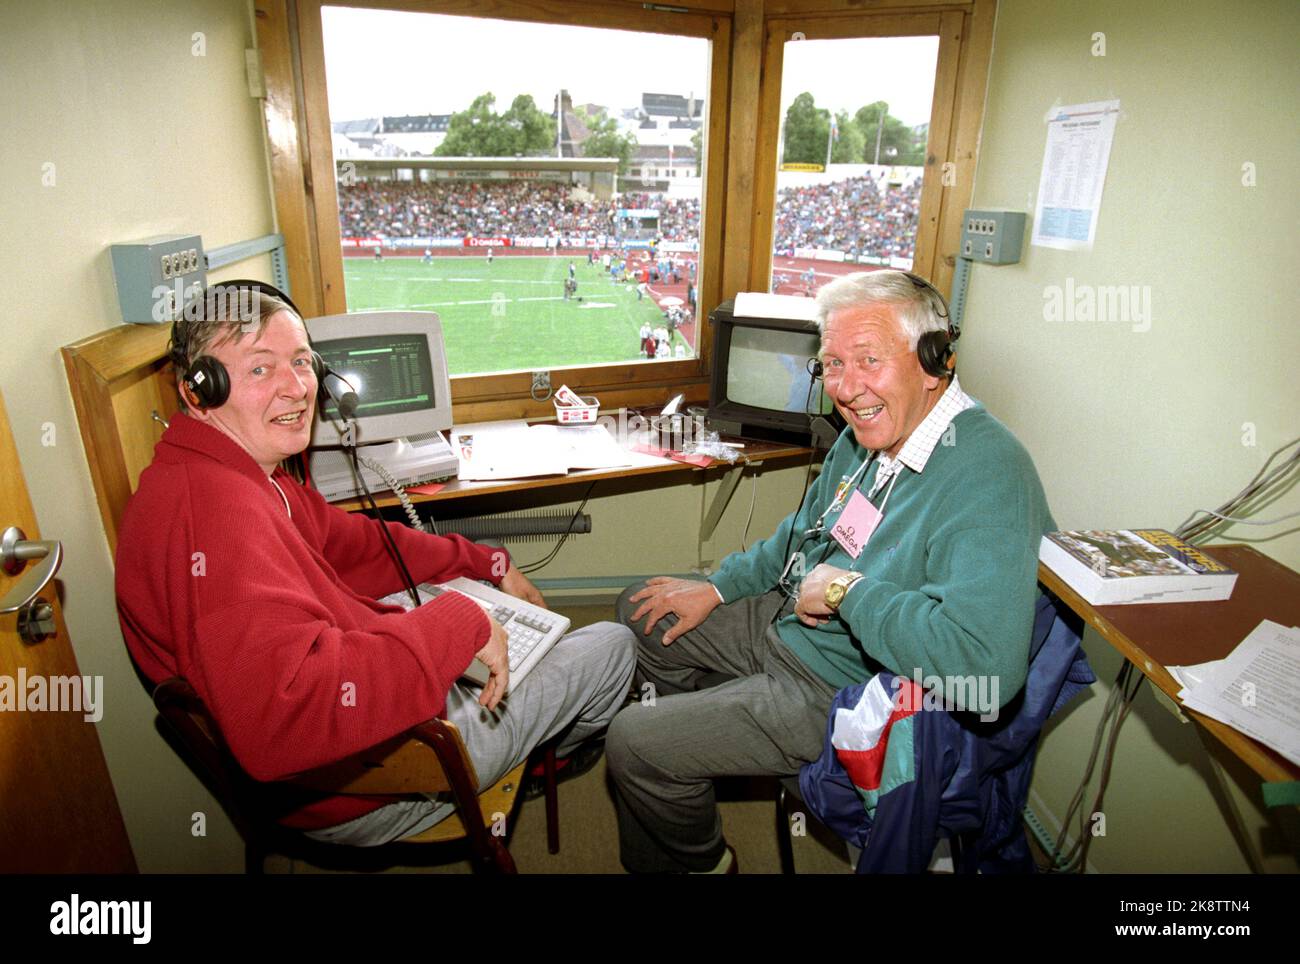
(834,593)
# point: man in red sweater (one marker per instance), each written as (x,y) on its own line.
(262,596)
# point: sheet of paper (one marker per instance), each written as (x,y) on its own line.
(758,304)
(1191,677)
(1079,139)
(583,446)
(504,450)
(490,451)
(1257,689)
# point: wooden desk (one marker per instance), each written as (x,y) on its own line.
(755,451)
(1181,634)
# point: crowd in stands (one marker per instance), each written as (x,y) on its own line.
(856,216)
(453,209)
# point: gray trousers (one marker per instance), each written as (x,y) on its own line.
(573,692)
(664,751)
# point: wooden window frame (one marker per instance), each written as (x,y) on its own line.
(739,191)
(965,32)
(298,126)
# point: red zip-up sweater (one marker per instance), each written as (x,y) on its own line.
(269,612)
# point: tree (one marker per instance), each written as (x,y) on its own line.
(536,129)
(604,140)
(897,141)
(806,129)
(849,146)
(480,131)
(697,142)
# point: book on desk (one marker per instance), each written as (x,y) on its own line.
(1111,567)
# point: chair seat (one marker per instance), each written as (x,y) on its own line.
(498,798)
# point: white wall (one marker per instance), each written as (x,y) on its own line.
(1134,427)
(144,138)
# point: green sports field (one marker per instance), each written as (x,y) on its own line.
(510,314)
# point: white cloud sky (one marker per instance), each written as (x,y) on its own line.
(387,62)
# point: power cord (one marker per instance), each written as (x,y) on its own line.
(1193,528)
(378,516)
(381,470)
(534,566)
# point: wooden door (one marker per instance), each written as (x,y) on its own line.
(58,811)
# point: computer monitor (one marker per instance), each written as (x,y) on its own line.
(762,384)
(394,361)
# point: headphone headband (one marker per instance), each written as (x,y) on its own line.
(205,378)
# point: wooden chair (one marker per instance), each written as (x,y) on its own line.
(401,766)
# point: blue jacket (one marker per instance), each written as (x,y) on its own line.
(967,778)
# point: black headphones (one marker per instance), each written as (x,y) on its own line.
(934,348)
(205,378)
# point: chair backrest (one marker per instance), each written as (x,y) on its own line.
(188,717)
(429,758)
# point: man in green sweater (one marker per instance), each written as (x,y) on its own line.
(914,551)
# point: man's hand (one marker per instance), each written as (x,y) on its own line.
(497,660)
(689,600)
(811,608)
(520,586)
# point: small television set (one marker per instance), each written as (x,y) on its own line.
(395,364)
(762,384)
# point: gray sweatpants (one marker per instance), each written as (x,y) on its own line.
(663,754)
(573,692)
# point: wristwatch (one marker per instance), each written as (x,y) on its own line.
(838,587)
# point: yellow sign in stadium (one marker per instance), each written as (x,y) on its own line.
(812,168)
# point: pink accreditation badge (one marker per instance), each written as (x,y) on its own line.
(856,523)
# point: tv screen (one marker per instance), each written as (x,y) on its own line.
(761,385)
(768,368)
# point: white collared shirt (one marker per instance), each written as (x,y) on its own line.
(918,448)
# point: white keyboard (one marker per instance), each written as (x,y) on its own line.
(531,630)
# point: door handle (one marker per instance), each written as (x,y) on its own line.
(15,552)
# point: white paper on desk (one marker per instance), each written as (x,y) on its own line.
(504,450)
(490,451)
(1190,677)
(584,446)
(1257,689)
(1075,159)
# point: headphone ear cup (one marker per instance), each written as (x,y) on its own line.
(208,382)
(933,351)
(817,369)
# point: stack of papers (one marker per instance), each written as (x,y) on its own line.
(1255,690)
(516,450)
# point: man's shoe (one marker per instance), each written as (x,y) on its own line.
(582,759)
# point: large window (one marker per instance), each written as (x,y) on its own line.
(538,186)
(855,120)
(357,175)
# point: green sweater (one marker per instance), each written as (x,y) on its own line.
(950,572)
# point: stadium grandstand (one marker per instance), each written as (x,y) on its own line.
(861,219)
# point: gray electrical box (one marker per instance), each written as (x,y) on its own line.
(155,277)
(994,237)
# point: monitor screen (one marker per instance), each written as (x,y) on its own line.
(391,374)
(394,361)
(761,386)
(768,368)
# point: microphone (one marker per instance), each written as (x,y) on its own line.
(348,405)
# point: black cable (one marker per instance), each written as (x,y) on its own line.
(393,551)
(534,566)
